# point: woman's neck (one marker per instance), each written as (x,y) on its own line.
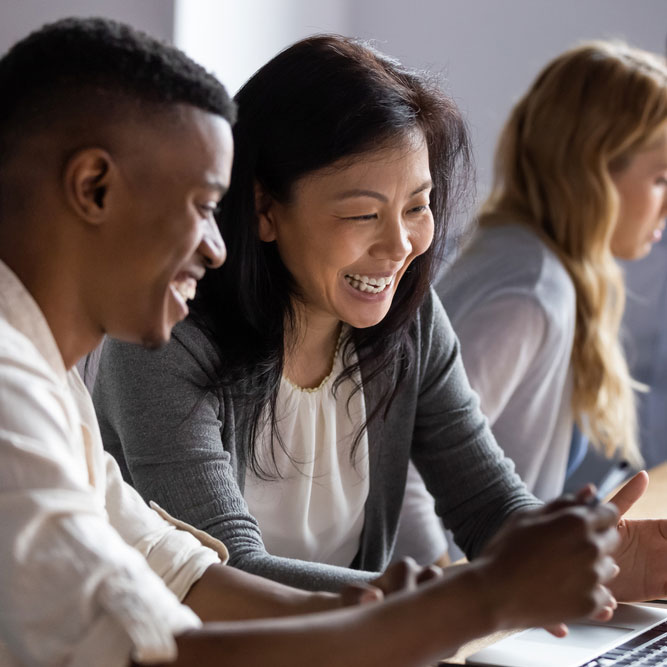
(310,350)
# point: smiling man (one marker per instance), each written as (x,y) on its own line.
(114,152)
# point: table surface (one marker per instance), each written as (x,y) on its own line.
(652,505)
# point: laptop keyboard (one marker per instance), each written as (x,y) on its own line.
(649,648)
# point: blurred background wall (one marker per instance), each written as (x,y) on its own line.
(488,51)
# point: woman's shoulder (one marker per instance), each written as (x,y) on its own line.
(501,261)
(433,332)
(188,352)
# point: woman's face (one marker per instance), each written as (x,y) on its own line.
(350,231)
(642,192)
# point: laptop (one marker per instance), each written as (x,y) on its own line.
(636,630)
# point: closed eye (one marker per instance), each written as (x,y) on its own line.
(368,216)
(210,208)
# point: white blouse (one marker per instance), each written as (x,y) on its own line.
(315,510)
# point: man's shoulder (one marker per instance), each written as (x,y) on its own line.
(19,354)
(33,398)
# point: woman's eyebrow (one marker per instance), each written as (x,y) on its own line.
(426,185)
(359,192)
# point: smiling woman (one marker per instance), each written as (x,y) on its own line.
(317,363)
(348,247)
(346,168)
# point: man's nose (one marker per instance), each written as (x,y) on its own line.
(212,247)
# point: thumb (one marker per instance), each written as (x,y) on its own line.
(354,594)
(557,630)
(631,492)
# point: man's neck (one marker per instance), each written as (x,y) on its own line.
(56,292)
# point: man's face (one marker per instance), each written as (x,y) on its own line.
(171,176)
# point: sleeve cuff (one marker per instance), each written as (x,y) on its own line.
(141,626)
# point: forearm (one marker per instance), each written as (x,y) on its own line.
(410,629)
(306,575)
(227,594)
(563,552)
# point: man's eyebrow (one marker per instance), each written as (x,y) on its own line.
(358,192)
(217,185)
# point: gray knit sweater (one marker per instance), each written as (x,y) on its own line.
(183,446)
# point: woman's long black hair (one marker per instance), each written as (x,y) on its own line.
(323,99)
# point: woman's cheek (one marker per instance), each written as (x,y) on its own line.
(425,238)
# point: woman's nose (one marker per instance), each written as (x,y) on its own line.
(394,241)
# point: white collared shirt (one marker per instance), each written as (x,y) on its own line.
(89,574)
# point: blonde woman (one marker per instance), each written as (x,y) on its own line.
(537,297)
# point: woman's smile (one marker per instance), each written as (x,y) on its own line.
(349,233)
(369,285)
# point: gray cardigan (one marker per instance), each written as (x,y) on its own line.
(183,446)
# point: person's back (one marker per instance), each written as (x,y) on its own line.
(593,199)
(512,305)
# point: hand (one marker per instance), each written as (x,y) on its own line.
(404,575)
(642,552)
(550,565)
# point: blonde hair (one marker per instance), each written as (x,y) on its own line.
(585,116)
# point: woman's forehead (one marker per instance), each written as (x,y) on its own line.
(407,161)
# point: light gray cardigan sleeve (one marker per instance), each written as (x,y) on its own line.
(179,444)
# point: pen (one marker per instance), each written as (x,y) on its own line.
(611,479)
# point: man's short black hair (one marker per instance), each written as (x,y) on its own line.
(97,63)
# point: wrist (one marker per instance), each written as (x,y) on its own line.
(322,601)
(487,595)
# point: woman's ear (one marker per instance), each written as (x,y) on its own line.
(86,180)
(263,209)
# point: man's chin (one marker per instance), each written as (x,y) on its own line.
(151,337)
(153,343)
(154,340)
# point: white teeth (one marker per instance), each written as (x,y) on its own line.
(366,284)
(187,289)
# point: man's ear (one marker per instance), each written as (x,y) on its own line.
(263,205)
(86,182)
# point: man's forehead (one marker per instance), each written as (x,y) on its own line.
(198,148)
